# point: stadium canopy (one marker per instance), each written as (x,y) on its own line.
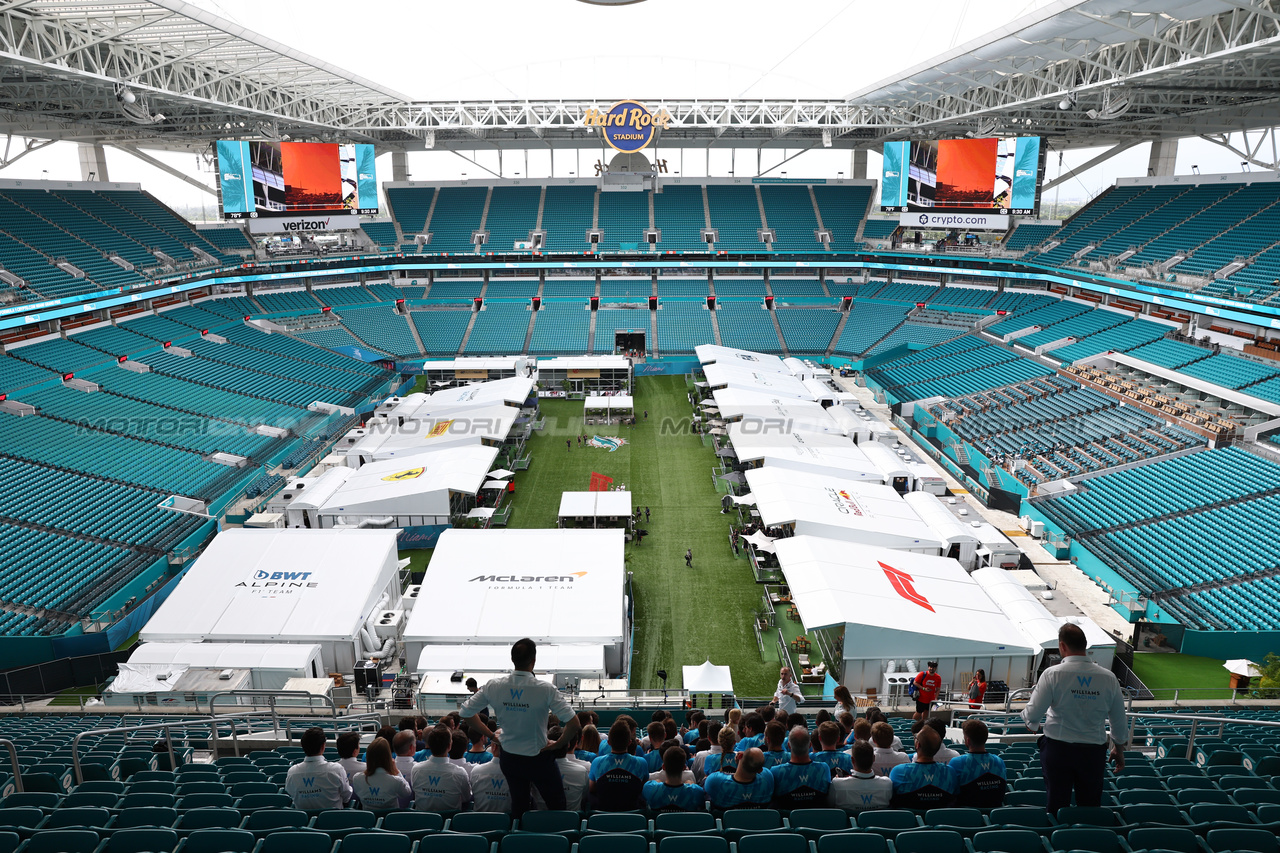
(492,587)
(894,606)
(283,586)
(768,413)
(748,378)
(1146,69)
(808,452)
(838,508)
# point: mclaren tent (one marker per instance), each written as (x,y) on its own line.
(807,452)
(714,354)
(839,508)
(411,491)
(492,587)
(749,379)
(891,606)
(323,587)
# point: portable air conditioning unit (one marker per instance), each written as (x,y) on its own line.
(388,623)
(410,597)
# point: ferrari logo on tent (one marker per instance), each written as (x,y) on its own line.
(902,584)
(440,428)
(411,474)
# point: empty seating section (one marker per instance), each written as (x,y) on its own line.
(97,232)
(623,219)
(683,287)
(916,333)
(1147,230)
(1080,326)
(962,366)
(231,307)
(629,289)
(970,297)
(182,396)
(511,288)
(739,287)
(115,340)
(1101,218)
(410,206)
(1267,389)
(783,288)
(43,278)
(842,208)
(500,328)
(1171,354)
(331,337)
(1044,315)
(286,346)
(384,292)
(683,326)
(1021,300)
(788,209)
(906,292)
(1121,338)
(456,289)
(227,239)
(561,327)
(24,579)
(455,219)
(879,229)
(746,325)
(619,320)
(1229,371)
(569,287)
(513,213)
(869,321)
(566,217)
(60,355)
(679,214)
(735,214)
(282,301)
(848,288)
(381,328)
(145,209)
(1241,229)
(15,374)
(807,331)
(241,380)
(1058,428)
(58,244)
(267,361)
(1028,235)
(441,331)
(343,295)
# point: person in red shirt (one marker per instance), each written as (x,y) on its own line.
(927,685)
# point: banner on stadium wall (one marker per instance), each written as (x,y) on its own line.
(959,221)
(360,353)
(294,224)
(666,368)
(424,536)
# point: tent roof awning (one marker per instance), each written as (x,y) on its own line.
(707,678)
(395,484)
(612,504)
(750,379)
(715,354)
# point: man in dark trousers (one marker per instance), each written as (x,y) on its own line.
(646,515)
(568,445)
(1076,699)
(688,558)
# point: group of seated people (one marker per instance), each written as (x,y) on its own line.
(764,758)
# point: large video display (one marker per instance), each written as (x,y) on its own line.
(291,178)
(961,175)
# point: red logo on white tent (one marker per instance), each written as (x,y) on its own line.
(902,584)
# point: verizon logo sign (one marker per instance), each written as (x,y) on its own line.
(300,224)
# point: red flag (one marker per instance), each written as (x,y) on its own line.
(599,482)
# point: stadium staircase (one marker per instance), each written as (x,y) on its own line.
(777,327)
(835,336)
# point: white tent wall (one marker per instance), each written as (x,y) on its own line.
(861,673)
(269,665)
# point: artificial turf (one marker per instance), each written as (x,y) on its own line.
(1163,673)
(683,616)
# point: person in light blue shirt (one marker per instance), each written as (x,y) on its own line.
(830,754)
(774,735)
(725,760)
(750,733)
(981,777)
(924,783)
(616,779)
(672,793)
(653,758)
(801,783)
(588,749)
(479,751)
(750,786)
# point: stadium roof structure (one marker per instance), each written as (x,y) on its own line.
(1125,71)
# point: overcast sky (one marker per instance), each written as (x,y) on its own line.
(548,49)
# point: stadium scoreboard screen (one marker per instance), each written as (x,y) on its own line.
(995,175)
(261,179)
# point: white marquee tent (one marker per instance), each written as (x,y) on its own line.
(839,508)
(714,354)
(586,507)
(707,678)
(896,606)
(481,424)
(492,587)
(808,452)
(751,379)
(285,586)
(770,413)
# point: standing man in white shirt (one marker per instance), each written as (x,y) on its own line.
(522,702)
(788,693)
(314,783)
(439,785)
(1076,699)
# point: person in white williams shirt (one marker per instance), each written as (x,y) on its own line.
(439,785)
(863,790)
(349,753)
(574,774)
(946,753)
(886,757)
(1076,699)
(380,786)
(403,745)
(489,788)
(788,693)
(314,783)
(522,703)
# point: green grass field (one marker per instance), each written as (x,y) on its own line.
(1161,671)
(683,616)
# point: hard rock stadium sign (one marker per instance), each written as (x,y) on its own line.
(627,126)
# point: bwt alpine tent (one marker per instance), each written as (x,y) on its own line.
(896,606)
(839,508)
(492,587)
(713,354)
(286,586)
(769,413)
(749,379)
(414,490)
(807,452)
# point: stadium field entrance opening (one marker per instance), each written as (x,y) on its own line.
(631,340)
